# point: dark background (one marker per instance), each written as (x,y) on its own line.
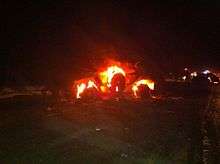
(57,42)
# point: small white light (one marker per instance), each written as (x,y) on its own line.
(116,89)
(206,72)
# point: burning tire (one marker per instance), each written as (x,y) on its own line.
(113,82)
(143,91)
(143,88)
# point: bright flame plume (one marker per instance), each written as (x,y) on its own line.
(107,75)
(83,86)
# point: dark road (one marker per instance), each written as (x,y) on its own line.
(169,130)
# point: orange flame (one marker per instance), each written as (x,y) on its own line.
(147,82)
(107,75)
(83,86)
(80,89)
(91,84)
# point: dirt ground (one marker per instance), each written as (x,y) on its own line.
(172,130)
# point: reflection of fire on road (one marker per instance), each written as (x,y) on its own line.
(112,80)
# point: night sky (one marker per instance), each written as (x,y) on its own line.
(56,42)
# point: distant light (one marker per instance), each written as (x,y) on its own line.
(206,72)
(193,74)
(209,78)
(215,82)
(184,77)
(185,69)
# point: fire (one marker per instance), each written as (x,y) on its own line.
(114,79)
(147,82)
(80,89)
(103,88)
(135,89)
(83,86)
(107,75)
(91,84)
(116,89)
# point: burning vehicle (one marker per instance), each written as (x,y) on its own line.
(115,80)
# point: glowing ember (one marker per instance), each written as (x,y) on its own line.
(146,82)
(135,89)
(103,88)
(106,76)
(116,89)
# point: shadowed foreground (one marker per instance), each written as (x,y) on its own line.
(172,130)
